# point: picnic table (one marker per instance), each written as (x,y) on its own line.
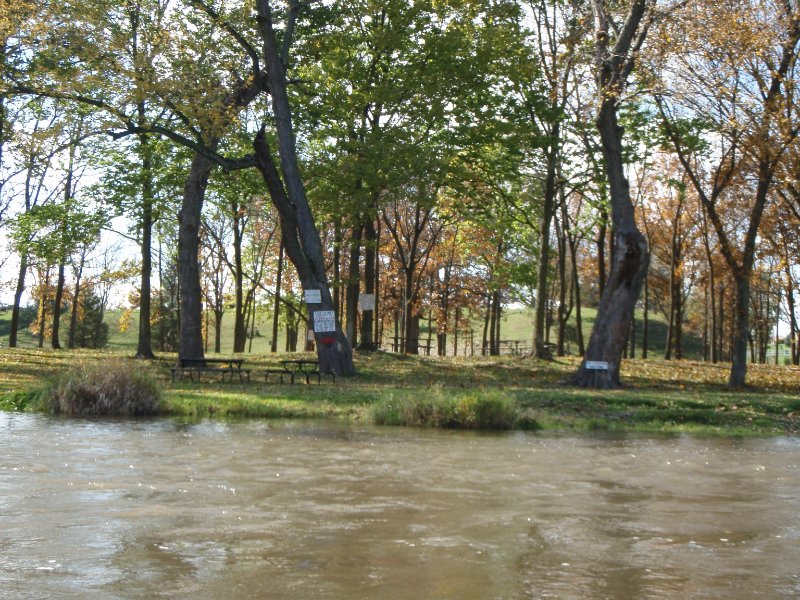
(515,347)
(303,367)
(198,366)
(399,341)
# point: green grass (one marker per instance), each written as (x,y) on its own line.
(479,392)
(516,324)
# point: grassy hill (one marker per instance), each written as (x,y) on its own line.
(517,324)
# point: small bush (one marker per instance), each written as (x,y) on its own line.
(106,389)
(447,409)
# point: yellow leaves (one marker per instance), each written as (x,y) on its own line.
(125,320)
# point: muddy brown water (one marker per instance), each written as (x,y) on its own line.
(150,509)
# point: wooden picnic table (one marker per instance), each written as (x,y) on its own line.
(305,367)
(198,366)
(515,347)
(399,341)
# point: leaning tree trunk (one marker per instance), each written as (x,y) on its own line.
(629,264)
(303,244)
(630,257)
(303,247)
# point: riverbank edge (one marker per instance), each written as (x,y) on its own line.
(481,393)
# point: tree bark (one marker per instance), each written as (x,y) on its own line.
(144,347)
(191,331)
(73,318)
(303,244)
(353,287)
(303,247)
(573,253)
(601,252)
(20,289)
(790,302)
(630,257)
(276,311)
(368,337)
(540,350)
(43,300)
(646,319)
(239,322)
(54,335)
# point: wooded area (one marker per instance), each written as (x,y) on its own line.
(371,169)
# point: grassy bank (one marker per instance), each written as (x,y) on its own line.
(480,392)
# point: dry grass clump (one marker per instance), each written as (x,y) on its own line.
(109,388)
(447,409)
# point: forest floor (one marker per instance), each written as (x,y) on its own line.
(475,392)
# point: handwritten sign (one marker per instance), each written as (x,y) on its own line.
(596,365)
(324,321)
(313,296)
(366,302)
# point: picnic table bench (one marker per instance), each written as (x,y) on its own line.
(302,367)
(199,366)
(398,342)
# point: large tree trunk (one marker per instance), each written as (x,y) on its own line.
(191,309)
(303,247)
(144,348)
(741,332)
(303,244)
(630,256)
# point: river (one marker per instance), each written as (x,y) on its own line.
(260,509)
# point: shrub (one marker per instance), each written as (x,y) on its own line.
(105,389)
(447,409)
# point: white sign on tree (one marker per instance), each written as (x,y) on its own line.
(313,297)
(596,365)
(324,321)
